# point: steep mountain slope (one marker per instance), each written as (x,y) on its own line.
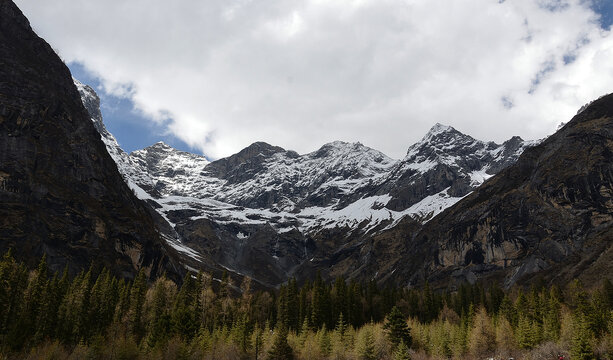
(60,191)
(270,213)
(551,213)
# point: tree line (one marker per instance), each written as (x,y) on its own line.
(97,315)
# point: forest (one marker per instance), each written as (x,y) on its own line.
(94,315)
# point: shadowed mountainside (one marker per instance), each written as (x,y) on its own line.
(550,214)
(60,191)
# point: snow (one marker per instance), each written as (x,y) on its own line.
(432,205)
(288,183)
(179,246)
(478,177)
(439,128)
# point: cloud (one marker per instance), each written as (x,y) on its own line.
(301,73)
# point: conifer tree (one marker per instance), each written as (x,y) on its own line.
(402,352)
(507,309)
(304,332)
(293,305)
(341,325)
(257,340)
(482,335)
(524,333)
(325,343)
(160,320)
(282,308)
(137,300)
(505,341)
(304,312)
(397,328)
(366,344)
(318,312)
(551,320)
(280,348)
(581,344)
(240,333)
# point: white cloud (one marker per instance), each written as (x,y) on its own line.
(301,73)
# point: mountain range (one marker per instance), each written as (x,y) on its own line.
(454,209)
(272,213)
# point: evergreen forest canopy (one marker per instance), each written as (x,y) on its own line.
(96,315)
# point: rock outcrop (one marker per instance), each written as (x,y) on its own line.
(549,216)
(60,192)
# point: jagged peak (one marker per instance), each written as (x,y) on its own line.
(338,144)
(260,147)
(86,90)
(342,148)
(438,134)
(439,128)
(160,145)
(600,107)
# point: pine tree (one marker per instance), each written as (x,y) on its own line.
(293,305)
(184,313)
(280,348)
(304,332)
(159,326)
(551,320)
(505,341)
(317,307)
(257,340)
(341,325)
(581,344)
(325,343)
(507,309)
(137,300)
(525,333)
(482,335)
(240,333)
(304,313)
(397,328)
(366,344)
(282,308)
(402,352)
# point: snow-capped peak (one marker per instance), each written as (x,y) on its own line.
(439,128)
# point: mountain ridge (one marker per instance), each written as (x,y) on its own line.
(60,191)
(281,204)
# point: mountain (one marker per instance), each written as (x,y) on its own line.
(60,192)
(271,213)
(549,216)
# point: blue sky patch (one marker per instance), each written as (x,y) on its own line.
(605,9)
(132,129)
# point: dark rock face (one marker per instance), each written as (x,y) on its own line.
(550,213)
(243,165)
(60,191)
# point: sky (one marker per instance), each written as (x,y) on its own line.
(214,76)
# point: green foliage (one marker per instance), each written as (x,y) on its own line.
(366,344)
(95,315)
(582,340)
(402,352)
(397,328)
(280,348)
(325,343)
(482,335)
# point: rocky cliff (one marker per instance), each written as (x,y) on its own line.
(548,216)
(60,192)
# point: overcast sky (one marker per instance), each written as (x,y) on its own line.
(219,75)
